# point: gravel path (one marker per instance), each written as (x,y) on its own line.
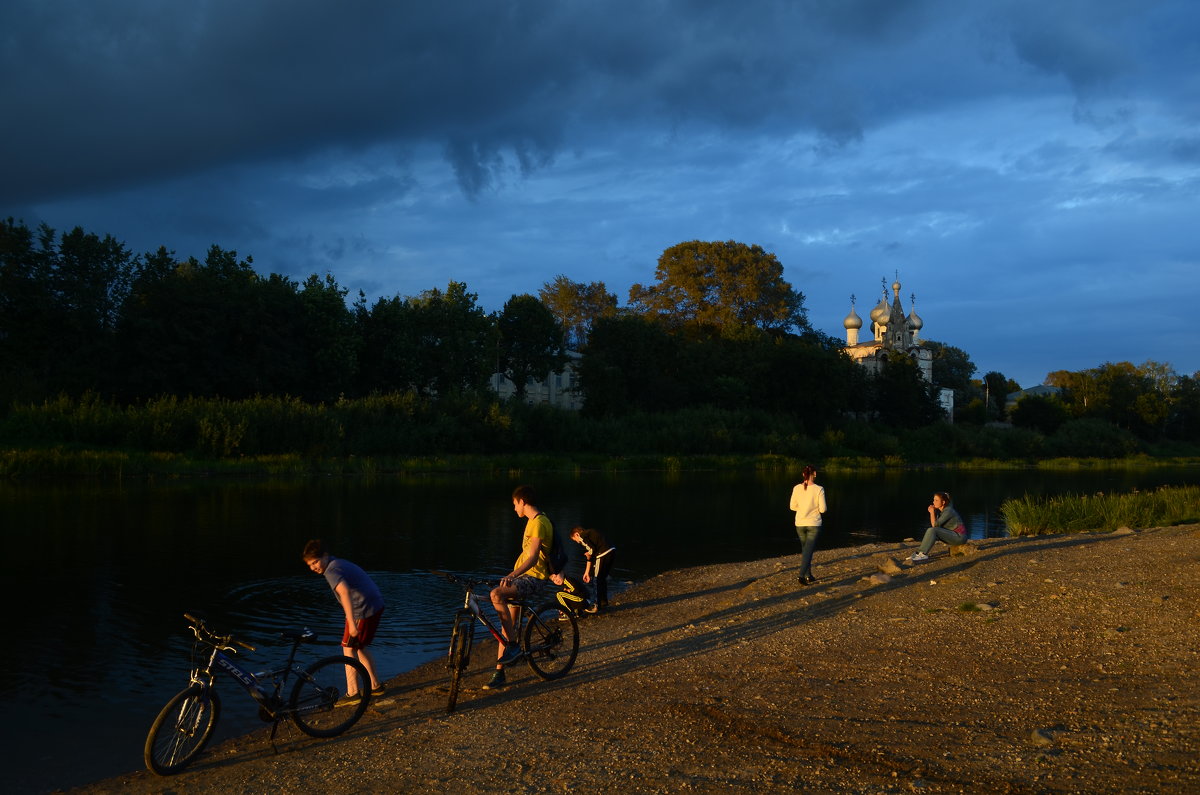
(1055,664)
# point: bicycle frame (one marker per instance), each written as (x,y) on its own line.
(273,707)
(250,682)
(471,602)
(549,647)
(240,675)
(315,703)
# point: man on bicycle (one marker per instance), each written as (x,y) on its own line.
(526,579)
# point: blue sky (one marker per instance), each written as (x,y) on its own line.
(1030,170)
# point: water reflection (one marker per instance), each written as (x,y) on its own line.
(111,568)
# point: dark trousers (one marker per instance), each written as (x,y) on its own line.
(600,578)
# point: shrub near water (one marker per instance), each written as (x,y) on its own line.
(1030,516)
(291,433)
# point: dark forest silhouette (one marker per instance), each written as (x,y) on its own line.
(719,339)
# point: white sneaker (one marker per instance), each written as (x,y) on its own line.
(918,557)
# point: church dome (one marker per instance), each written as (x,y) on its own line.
(852,320)
(880,313)
(914,321)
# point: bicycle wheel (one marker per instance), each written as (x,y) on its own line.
(181,730)
(550,641)
(317,704)
(461,638)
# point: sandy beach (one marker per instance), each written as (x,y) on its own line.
(1054,664)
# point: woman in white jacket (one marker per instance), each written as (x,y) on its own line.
(808,501)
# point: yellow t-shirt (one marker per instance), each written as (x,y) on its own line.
(538,527)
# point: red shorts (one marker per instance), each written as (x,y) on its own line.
(366,632)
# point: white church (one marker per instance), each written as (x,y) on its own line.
(892,332)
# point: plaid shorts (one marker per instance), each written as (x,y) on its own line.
(528,586)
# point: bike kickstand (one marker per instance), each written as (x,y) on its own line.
(271,739)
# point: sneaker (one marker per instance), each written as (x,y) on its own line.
(512,653)
(349,701)
(376,692)
(497,680)
(593,609)
(918,557)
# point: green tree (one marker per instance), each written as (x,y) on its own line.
(211,329)
(387,361)
(902,397)
(810,377)
(1091,437)
(720,285)
(1133,398)
(1041,413)
(330,339)
(26,300)
(577,306)
(1074,390)
(1184,421)
(952,369)
(996,393)
(60,300)
(436,344)
(453,341)
(632,364)
(530,342)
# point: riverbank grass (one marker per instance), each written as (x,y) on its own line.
(1169,505)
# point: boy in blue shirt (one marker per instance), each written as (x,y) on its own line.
(362,604)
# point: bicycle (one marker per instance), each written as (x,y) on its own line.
(316,704)
(548,634)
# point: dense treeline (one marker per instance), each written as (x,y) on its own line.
(102,347)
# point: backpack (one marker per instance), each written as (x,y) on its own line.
(556,556)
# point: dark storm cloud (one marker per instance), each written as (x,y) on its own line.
(1006,158)
(117,93)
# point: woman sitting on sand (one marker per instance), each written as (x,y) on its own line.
(944,525)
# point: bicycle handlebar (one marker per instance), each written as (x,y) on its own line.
(198,626)
(465,583)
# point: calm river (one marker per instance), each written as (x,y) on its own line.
(99,574)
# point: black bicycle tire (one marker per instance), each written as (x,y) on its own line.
(309,699)
(208,702)
(461,639)
(550,618)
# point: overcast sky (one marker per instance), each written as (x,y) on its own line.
(1030,170)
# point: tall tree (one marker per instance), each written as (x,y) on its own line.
(530,342)
(453,341)
(388,332)
(1184,421)
(632,364)
(1042,413)
(1135,398)
(577,306)
(996,393)
(952,369)
(721,285)
(212,328)
(26,301)
(902,397)
(60,300)
(330,338)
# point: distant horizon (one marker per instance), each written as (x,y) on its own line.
(839,335)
